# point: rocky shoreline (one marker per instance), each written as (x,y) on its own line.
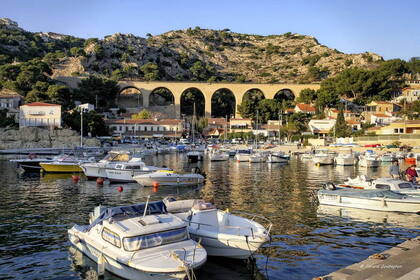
(35,137)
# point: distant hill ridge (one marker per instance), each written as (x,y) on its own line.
(191,54)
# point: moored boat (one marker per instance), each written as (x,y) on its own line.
(222,233)
(369,160)
(323,157)
(242,155)
(64,164)
(124,172)
(139,241)
(217,155)
(379,200)
(345,158)
(395,185)
(94,170)
(277,157)
(31,164)
(169,178)
(257,158)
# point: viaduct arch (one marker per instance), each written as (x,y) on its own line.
(208,89)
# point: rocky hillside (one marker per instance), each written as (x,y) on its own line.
(192,54)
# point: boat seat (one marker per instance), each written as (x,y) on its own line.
(178,206)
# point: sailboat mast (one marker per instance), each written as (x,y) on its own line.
(193,124)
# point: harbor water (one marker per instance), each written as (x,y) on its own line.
(307,240)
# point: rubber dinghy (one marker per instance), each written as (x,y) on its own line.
(139,241)
(220,232)
(169,178)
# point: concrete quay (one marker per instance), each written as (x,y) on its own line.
(401,262)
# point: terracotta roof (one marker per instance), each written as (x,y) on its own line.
(352,122)
(214,132)
(306,107)
(381,116)
(291,110)
(147,121)
(41,104)
(216,121)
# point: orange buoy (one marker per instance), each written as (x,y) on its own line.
(75,178)
(120,189)
(155,186)
(99,181)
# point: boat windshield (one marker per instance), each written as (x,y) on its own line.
(405,186)
(155,239)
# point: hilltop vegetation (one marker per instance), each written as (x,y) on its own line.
(191,54)
(38,66)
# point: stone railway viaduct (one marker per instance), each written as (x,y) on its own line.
(207,89)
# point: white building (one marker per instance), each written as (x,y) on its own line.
(9,99)
(86,107)
(383,119)
(40,114)
(147,128)
(321,127)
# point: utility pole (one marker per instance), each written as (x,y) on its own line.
(81,127)
(96,102)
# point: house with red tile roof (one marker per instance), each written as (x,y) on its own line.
(305,108)
(40,114)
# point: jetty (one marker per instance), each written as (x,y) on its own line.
(401,262)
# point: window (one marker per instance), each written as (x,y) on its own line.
(405,186)
(111,237)
(382,187)
(155,239)
(120,128)
(401,130)
(145,128)
(395,130)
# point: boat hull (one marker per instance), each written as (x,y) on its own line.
(94,172)
(61,168)
(323,160)
(236,249)
(377,204)
(242,157)
(345,161)
(276,159)
(119,268)
(369,163)
(147,180)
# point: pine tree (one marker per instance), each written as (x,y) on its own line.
(341,127)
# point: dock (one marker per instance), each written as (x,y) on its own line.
(401,262)
(48,151)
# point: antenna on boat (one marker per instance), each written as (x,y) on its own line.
(147,204)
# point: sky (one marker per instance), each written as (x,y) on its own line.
(389,28)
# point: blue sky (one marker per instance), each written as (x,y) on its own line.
(389,28)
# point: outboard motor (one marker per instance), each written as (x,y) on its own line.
(329,186)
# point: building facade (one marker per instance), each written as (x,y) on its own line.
(40,114)
(147,128)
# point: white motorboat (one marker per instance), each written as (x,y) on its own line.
(323,157)
(169,178)
(379,200)
(257,158)
(124,172)
(139,241)
(306,156)
(369,160)
(395,185)
(345,158)
(243,155)
(387,157)
(276,157)
(221,233)
(95,170)
(217,155)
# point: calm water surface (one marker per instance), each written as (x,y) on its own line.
(308,241)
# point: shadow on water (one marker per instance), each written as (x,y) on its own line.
(307,241)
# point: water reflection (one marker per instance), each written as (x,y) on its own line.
(36,211)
